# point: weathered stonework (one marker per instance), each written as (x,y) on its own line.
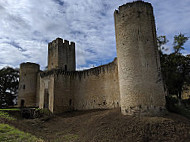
(96,88)
(140,81)
(28,84)
(61,55)
(132,82)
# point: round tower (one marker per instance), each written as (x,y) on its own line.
(28,84)
(140,81)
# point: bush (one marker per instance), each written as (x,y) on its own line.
(176,106)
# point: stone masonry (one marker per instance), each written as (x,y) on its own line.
(132,81)
(140,81)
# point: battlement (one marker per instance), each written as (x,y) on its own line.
(61,55)
(60,41)
(129,5)
(93,71)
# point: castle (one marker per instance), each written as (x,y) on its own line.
(132,81)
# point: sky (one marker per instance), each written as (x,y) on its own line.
(27,26)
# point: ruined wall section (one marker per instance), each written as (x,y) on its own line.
(46,92)
(95,88)
(28,84)
(61,55)
(141,85)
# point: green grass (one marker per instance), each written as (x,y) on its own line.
(5,115)
(10,134)
(10,109)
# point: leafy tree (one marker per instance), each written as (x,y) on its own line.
(176,67)
(162,40)
(9,81)
(175,70)
(179,41)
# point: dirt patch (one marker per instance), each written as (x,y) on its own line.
(107,125)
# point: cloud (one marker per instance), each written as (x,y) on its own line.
(28,25)
(172,18)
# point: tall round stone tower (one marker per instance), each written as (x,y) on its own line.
(28,84)
(140,81)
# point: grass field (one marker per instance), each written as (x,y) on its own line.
(10,134)
(5,115)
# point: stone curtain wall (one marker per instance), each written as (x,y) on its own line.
(95,88)
(141,85)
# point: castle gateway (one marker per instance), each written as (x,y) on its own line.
(132,81)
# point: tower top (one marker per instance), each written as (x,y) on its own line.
(61,55)
(138,3)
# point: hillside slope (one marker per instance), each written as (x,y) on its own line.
(107,125)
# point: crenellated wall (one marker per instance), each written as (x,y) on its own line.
(95,88)
(61,55)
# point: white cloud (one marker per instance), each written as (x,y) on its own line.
(28,25)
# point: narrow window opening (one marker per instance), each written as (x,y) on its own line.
(24,86)
(22,103)
(46,98)
(104,102)
(65,67)
(70,102)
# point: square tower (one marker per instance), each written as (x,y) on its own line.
(61,55)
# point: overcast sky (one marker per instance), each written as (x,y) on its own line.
(26,27)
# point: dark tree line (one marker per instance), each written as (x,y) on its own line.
(9,81)
(175,66)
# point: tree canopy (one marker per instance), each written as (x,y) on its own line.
(179,41)
(9,81)
(175,66)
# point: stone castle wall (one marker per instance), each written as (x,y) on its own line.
(141,85)
(46,92)
(95,88)
(133,83)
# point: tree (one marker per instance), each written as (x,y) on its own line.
(179,41)
(175,71)
(175,67)
(161,40)
(9,81)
